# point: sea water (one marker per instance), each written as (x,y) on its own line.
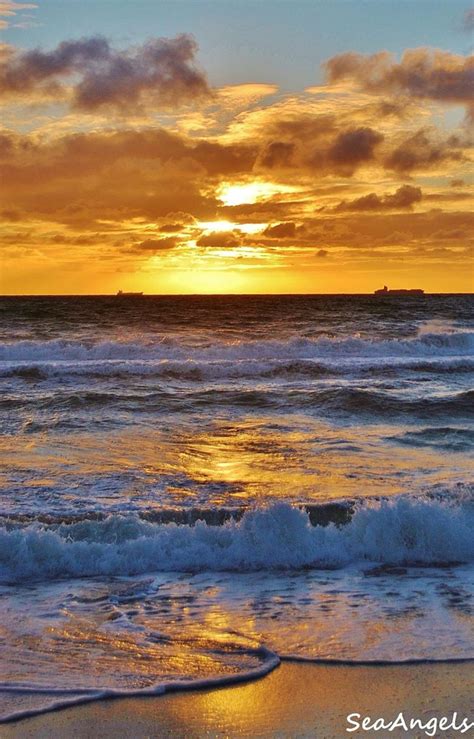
(194,488)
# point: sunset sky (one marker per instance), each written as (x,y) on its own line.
(236,146)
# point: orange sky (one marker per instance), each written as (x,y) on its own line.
(125,167)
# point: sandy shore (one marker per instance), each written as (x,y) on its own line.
(295,700)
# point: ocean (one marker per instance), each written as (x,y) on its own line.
(194,488)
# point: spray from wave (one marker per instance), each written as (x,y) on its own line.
(403,531)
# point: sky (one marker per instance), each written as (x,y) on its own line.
(236,146)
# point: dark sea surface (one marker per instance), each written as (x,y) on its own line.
(194,487)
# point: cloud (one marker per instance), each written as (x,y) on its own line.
(422,73)
(405,197)
(320,147)
(10,214)
(234,97)
(171,227)
(155,245)
(355,146)
(262,212)
(322,253)
(9,9)
(219,241)
(468,20)
(86,179)
(277,154)
(161,72)
(421,151)
(280,231)
(449,195)
(151,173)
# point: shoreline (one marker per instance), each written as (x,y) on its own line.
(295,698)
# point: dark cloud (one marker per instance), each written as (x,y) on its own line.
(363,230)
(304,127)
(421,73)
(353,147)
(170,227)
(420,151)
(7,143)
(319,147)
(397,108)
(10,214)
(280,231)
(405,197)
(322,253)
(83,240)
(155,245)
(277,154)
(160,72)
(226,240)
(265,211)
(468,20)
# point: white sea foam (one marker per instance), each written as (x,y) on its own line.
(401,531)
(459,343)
(49,699)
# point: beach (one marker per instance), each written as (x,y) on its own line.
(295,700)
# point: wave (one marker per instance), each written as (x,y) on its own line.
(191,370)
(320,514)
(447,344)
(377,402)
(446,437)
(323,400)
(401,531)
(58,698)
(63,698)
(186,370)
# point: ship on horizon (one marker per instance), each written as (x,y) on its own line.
(122,294)
(386,291)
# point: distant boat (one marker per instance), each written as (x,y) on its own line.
(121,294)
(386,291)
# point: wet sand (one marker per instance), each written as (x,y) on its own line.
(295,700)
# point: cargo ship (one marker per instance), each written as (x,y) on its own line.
(121,294)
(386,291)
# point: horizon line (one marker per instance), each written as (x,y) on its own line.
(204,295)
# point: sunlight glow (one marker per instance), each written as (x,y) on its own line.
(248,193)
(216,226)
(222,226)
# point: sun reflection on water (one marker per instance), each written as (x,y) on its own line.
(220,464)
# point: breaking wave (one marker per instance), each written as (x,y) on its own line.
(401,531)
(459,343)
(191,370)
